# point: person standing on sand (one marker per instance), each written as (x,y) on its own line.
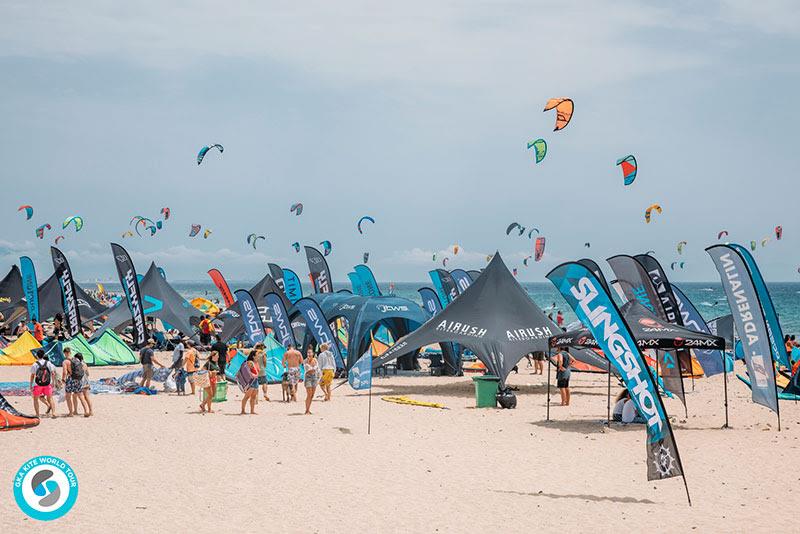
(213,369)
(190,358)
(292,360)
(312,377)
(38,331)
(86,388)
(205,330)
(72,386)
(560,319)
(177,365)
(327,364)
(147,358)
(563,362)
(261,361)
(247,378)
(222,350)
(538,363)
(42,379)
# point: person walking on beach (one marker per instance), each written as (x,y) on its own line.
(72,387)
(178,369)
(190,358)
(38,331)
(222,350)
(538,363)
(327,363)
(147,359)
(261,361)
(42,379)
(85,395)
(563,362)
(212,367)
(205,330)
(247,378)
(292,360)
(312,377)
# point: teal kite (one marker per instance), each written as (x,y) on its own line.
(539,147)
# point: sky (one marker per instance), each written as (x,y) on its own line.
(416,113)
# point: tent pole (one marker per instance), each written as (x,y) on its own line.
(549,351)
(725,382)
(369,410)
(608,393)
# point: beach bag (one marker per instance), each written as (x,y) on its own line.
(170,385)
(201,379)
(42,376)
(506,398)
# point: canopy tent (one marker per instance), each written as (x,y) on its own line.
(11,290)
(160,300)
(232,325)
(649,331)
(19,352)
(494,317)
(51,302)
(398,315)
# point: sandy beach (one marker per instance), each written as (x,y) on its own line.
(147,463)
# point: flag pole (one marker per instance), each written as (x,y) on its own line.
(608,393)
(549,350)
(725,375)
(369,410)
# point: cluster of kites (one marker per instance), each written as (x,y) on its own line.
(147,225)
(73,220)
(538,244)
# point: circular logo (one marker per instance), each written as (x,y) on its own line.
(45,488)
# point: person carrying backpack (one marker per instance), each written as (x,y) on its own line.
(74,371)
(43,376)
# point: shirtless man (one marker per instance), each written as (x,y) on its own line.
(292,360)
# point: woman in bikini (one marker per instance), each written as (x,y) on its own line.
(312,377)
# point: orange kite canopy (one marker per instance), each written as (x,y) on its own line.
(564,108)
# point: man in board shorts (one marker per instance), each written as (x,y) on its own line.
(43,376)
(292,360)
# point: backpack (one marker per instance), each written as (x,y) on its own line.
(42,377)
(77,370)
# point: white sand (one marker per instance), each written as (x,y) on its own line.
(156,464)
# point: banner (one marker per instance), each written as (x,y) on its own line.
(222,285)
(773,325)
(318,325)
(277,275)
(360,375)
(723,327)
(662,287)
(474,275)
(280,320)
(133,295)
(449,286)
(596,271)
(319,271)
(368,282)
(596,310)
(431,303)
(72,315)
(292,286)
(30,287)
(749,320)
(710,360)
(358,286)
(461,279)
(440,290)
(635,283)
(253,326)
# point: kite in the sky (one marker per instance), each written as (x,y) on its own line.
(204,151)
(678,263)
(723,233)
(361,221)
(564,108)
(587,245)
(326,247)
(513,225)
(525,260)
(778,232)
(681,244)
(456,248)
(538,248)
(629,167)
(59,238)
(206,233)
(296,246)
(297,209)
(74,220)
(40,230)
(143,222)
(434,257)
(252,238)
(530,233)
(166,213)
(444,261)
(649,210)
(753,245)
(127,233)
(764,241)
(539,147)
(28,211)
(366,257)
(195,230)
(514,271)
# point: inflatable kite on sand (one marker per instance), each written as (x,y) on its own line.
(11,419)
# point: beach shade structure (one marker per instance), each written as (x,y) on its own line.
(364,315)
(19,352)
(11,291)
(160,301)
(494,317)
(51,302)
(11,419)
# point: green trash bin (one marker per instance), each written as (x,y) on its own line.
(221,394)
(486,387)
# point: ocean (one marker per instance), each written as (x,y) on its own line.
(707,297)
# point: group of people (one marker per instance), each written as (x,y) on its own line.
(44,381)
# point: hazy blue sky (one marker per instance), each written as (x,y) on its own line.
(416,113)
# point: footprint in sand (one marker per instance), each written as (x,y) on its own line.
(343,430)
